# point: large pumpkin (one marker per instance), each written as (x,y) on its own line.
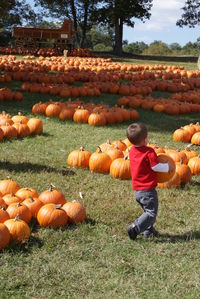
(35,126)
(184,172)
(120,169)
(165,176)
(19,229)
(100,162)
(79,158)
(75,211)
(4,236)
(52,215)
(174,182)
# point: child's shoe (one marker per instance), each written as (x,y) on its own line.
(152,232)
(131,231)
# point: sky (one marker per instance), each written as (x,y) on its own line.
(161,26)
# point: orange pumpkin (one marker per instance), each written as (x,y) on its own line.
(163,176)
(75,211)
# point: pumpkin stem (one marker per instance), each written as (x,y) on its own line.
(2,208)
(19,113)
(52,186)
(58,206)
(82,149)
(188,147)
(99,149)
(19,204)
(126,157)
(17,218)
(31,198)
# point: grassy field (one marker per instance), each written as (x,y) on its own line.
(96,259)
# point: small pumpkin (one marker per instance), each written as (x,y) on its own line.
(11,198)
(79,158)
(3,215)
(52,215)
(33,204)
(35,126)
(19,210)
(184,172)
(52,195)
(75,211)
(196,138)
(194,165)
(182,135)
(174,182)
(4,236)
(24,193)
(18,229)
(8,186)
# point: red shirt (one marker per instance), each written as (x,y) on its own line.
(142,158)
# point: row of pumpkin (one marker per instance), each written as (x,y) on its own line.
(79,112)
(19,126)
(6,94)
(19,205)
(113,158)
(188,133)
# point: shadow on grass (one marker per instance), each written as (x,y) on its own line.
(32,167)
(27,246)
(186,237)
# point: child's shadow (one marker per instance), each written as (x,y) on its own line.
(186,237)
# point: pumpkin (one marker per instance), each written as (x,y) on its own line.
(9,131)
(81,115)
(196,138)
(19,210)
(127,142)
(18,229)
(75,211)
(177,156)
(184,172)
(52,195)
(53,110)
(35,126)
(4,236)
(97,119)
(2,203)
(20,118)
(52,215)
(79,158)
(106,146)
(33,204)
(182,135)
(8,186)
(174,182)
(120,169)
(165,176)
(120,144)
(114,153)
(3,215)
(99,162)
(22,129)
(190,154)
(11,198)
(194,165)
(66,114)
(24,193)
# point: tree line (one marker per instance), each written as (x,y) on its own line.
(111,15)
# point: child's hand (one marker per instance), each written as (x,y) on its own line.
(171,168)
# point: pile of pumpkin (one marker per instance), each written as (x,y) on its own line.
(188,133)
(113,158)
(6,94)
(80,112)
(19,126)
(18,206)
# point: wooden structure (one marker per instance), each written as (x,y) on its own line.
(40,38)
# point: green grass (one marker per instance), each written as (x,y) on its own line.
(96,259)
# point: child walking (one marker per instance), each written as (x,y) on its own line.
(144,164)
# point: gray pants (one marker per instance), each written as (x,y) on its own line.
(148,200)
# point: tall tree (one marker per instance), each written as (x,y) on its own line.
(77,10)
(13,12)
(117,13)
(191,14)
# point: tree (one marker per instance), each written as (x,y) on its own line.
(14,12)
(117,13)
(191,14)
(135,48)
(157,48)
(77,10)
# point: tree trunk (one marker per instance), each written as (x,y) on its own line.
(118,36)
(73,9)
(84,28)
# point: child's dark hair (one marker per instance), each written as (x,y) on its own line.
(136,133)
